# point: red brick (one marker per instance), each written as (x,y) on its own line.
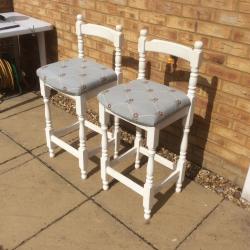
(236,89)
(163,32)
(197,12)
(233,113)
(120,2)
(232,18)
(238,63)
(228,47)
(128,12)
(190,38)
(220,4)
(212,29)
(181,23)
(242,128)
(244,6)
(243,104)
(214,57)
(150,17)
(108,8)
(240,35)
(167,7)
(223,73)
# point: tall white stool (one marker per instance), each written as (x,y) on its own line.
(80,79)
(150,106)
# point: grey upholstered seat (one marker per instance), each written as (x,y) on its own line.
(143,101)
(75,76)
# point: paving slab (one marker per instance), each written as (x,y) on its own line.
(9,149)
(27,128)
(228,227)
(87,227)
(32,196)
(19,104)
(16,162)
(174,215)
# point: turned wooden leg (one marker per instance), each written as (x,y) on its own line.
(152,142)
(104,158)
(83,153)
(45,92)
(116,136)
(137,144)
(183,152)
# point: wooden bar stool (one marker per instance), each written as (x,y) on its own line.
(80,79)
(150,106)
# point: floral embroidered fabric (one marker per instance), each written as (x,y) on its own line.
(76,76)
(143,101)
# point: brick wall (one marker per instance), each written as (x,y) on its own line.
(220,137)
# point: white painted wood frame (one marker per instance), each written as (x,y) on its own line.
(186,114)
(52,136)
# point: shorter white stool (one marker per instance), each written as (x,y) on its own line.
(150,106)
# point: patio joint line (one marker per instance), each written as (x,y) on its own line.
(123,224)
(13,158)
(21,112)
(51,223)
(87,196)
(201,222)
(46,164)
(18,166)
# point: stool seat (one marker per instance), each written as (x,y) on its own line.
(76,76)
(143,101)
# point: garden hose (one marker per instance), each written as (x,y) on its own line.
(8,75)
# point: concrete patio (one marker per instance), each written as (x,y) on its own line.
(45,205)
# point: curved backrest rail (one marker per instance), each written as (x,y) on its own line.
(169,48)
(173,49)
(99,31)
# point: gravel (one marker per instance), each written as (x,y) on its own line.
(206,178)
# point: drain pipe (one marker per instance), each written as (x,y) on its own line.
(246,189)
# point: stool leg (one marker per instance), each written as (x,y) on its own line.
(45,92)
(104,158)
(117,137)
(183,152)
(83,154)
(137,144)
(152,142)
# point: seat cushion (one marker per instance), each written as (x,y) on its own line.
(143,101)
(76,76)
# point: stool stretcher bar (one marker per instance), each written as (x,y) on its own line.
(59,142)
(158,158)
(125,180)
(123,156)
(65,145)
(66,130)
(168,182)
(75,126)
(97,150)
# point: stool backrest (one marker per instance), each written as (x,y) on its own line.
(114,36)
(194,56)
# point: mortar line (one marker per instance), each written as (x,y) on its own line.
(87,196)
(201,222)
